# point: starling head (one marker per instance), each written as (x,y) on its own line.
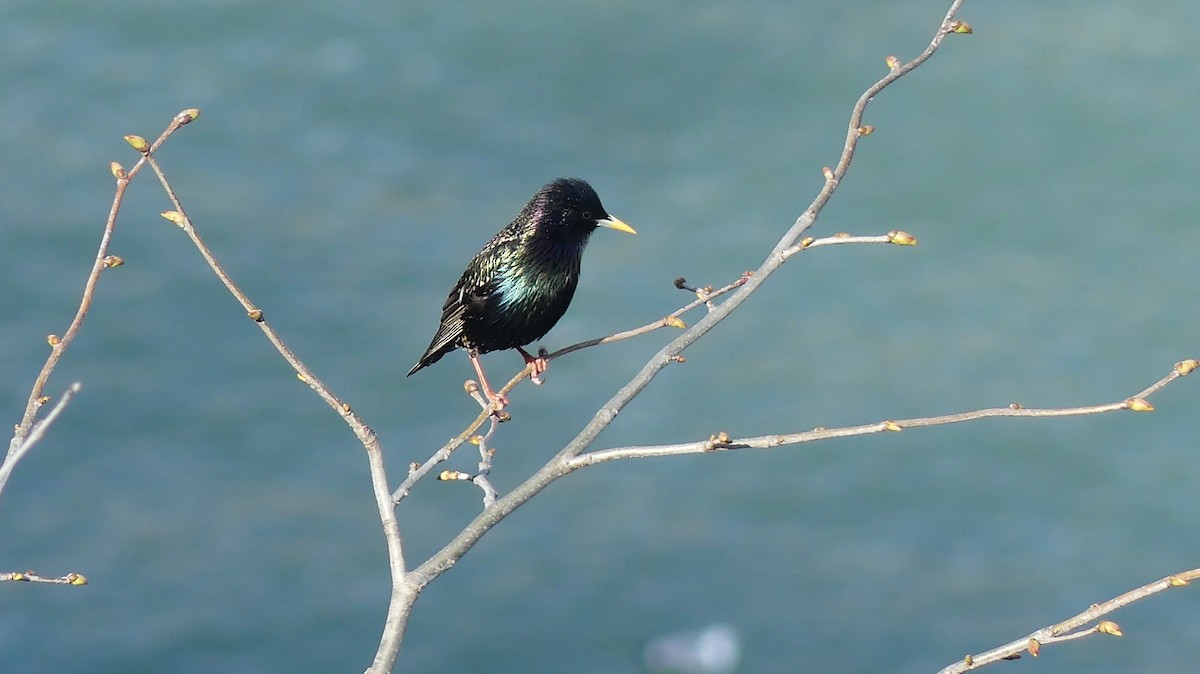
(519,285)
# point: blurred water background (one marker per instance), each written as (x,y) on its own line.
(352,157)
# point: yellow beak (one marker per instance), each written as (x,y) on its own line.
(613,222)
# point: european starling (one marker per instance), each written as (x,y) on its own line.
(520,284)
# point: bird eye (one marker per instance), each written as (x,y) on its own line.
(587,215)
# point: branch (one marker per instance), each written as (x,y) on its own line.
(397,618)
(31,577)
(35,435)
(704,296)
(417,471)
(561,464)
(58,345)
(29,431)
(1069,629)
(721,440)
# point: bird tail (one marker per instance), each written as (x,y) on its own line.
(432,355)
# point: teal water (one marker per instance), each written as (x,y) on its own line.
(351,159)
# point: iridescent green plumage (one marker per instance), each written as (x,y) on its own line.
(519,285)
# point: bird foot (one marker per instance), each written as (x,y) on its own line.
(537,365)
(497,402)
(487,398)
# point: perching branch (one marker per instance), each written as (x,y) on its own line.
(704,297)
(561,464)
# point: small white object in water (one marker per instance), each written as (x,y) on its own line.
(715,649)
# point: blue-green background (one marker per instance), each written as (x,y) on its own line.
(352,157)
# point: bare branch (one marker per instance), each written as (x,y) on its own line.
(397,616)
(704,297)
(35,435)
(1069,629)
(417,471)
(58,345)
(75,579)
(721,441)
(560,465)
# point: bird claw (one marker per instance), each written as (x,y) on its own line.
(487,398)
(537,365)
(497,402)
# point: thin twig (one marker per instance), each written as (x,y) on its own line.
(486,454)
(417,471)
(671,320)
(704,297)
(35,435)
(720,441)
(75,579)
(1069,629)
(59,345)
(396,619)
(895,237)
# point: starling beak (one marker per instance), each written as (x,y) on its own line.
(520,284)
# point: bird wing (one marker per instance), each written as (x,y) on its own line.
(473,291)
(449,332)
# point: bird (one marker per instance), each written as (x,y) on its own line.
(521,282)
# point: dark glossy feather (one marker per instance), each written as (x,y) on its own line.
(519,285)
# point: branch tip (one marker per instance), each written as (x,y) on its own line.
(900,237)
(892,61)
(1110,628)
(118,171)
(1185,367)
(187,116)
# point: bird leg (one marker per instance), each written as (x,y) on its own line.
(538,364)
(497,399)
